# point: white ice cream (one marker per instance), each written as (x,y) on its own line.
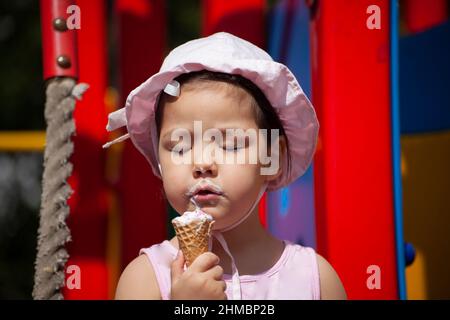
(191,216)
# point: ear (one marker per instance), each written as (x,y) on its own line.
(282,149)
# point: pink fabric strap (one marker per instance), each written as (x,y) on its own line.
(236,283)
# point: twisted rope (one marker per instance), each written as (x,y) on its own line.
(53,233)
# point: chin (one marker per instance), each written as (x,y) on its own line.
(223,221)
(217,216)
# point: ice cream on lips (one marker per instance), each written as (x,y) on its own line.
(205,192)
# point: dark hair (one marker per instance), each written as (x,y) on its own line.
(266,116)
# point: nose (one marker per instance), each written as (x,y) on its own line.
(204,170)
(204,167)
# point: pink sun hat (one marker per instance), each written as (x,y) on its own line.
(223,52)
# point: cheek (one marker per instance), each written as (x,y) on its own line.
(240,180)
(173,178)
(241,185)
(174,193)
(170,170)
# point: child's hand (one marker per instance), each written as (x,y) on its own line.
(202,280)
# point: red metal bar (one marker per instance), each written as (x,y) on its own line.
(421,15)
(141,43)
(88,218)
(58,43)
(353,164)
(245,19)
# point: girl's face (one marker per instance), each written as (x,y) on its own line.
(215,106)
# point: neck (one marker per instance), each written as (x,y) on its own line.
(253,248)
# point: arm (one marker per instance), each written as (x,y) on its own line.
(138,281)
(331,287)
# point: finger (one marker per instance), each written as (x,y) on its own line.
(204,262)
(220,288)
(215,273)
(224,285)
(177,267)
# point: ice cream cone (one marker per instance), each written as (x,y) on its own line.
(193,235)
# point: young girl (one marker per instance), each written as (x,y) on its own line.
(226,84)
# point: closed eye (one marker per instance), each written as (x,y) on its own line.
(179,150)
(232,147)
(235,145)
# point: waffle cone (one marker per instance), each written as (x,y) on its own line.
(193,238)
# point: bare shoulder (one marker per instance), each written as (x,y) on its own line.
(331,287)
(138,281)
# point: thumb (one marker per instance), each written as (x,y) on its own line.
(177,267)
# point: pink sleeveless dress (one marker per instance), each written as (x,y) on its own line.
(295,276)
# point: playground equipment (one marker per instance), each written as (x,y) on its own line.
(349,206)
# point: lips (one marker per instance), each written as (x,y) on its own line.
(206,193)
(206,196)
